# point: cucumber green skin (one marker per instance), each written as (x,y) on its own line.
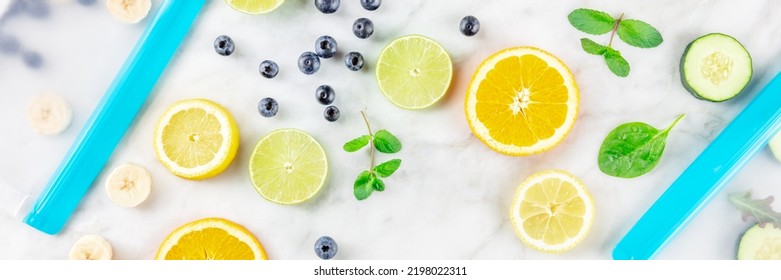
(685,82)
(739,241)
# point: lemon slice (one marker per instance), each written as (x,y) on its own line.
(196,139)
(288,166)
(254,7)
(552,211)
(211,239)
(521,101)
(414,72)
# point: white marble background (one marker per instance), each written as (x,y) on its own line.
(451,196)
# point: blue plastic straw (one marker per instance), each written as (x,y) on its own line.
(748,133)
(114,114)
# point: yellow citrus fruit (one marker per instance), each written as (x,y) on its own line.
(414,72)
(211,239)
(552,211)
(255,7)
(521,101)
(196,139)
(288,166)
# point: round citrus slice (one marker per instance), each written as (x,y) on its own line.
(288,166)
(196,139)
(521,101)
(552,211)
(254,7)
(414,72)
(211,239)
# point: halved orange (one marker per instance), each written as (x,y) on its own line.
(521,101)
(211,239)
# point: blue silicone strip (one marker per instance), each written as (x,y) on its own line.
(748,133)
(113,115)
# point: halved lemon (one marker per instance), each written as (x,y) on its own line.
(196,139)
(255,7)
(521,101)
(288,166)
(211,239)
(414,72)
(552,211)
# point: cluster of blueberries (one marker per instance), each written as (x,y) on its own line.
(325,48)
(309,62)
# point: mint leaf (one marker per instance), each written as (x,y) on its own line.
(638,33)
(591,21)
(357,143)
(385,142)
(616,63)
(378,185)
(758,209)
(633,149)
(592,47)
(387,168)
(362,188)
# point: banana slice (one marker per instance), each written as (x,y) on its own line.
(129,11)
(128,185)
(91,247)
(49,114)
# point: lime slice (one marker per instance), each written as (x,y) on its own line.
(414,72)
(254,7)
(288,166)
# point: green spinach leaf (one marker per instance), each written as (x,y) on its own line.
(633,149)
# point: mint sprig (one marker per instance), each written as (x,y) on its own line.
(634,32)
(369,180)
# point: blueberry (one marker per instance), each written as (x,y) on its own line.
(353,61)
(86,2)
(32,59)
(327,6)
(268,69)
(371,5)
(325,46)
(308,63)
(36,8)
(363,28)
(325,94)
(268,107)
(325,247)
(469,25)
(8,44)
(223,45)
(331,113)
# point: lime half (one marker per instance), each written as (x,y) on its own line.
(288,166)
(414,72)
(254,7)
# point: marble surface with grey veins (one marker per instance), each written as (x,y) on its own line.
(451,197)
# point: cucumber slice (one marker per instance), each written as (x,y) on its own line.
(775,146)
(760,243)
(715,67)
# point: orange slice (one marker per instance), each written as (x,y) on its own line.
(211,239)
(521,101)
